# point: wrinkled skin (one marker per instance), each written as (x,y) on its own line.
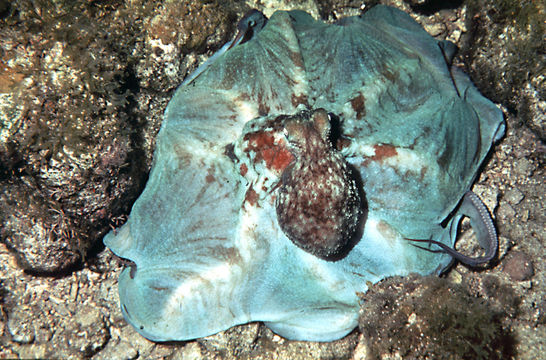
(205,239)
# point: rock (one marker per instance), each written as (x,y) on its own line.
(421,317)
(518,266)
(514,196)
(500,50)
(76,136)
(524,167)
(21,325)
(71,132)
(191,351)
(117,351)
(506,212)
(87,333)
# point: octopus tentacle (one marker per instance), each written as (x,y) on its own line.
(483,226)
(247,27)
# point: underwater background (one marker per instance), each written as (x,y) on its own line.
(83,88)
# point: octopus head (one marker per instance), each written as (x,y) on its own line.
(319,204)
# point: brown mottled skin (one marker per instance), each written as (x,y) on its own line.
(318,203)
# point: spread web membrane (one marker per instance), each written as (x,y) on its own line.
(362,125)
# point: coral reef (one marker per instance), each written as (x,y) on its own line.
(76,101)
(129,74)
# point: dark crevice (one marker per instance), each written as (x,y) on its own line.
(433,6)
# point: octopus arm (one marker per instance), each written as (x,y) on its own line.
(483,226)
(266,72)
(384,46)
(248,27)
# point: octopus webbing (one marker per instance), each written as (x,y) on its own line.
(302,162)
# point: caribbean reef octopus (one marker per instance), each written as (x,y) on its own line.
(302,162)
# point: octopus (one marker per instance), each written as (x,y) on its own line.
(299,164)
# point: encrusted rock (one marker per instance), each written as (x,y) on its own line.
(518,266)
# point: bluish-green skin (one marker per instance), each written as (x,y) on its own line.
(208,250)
